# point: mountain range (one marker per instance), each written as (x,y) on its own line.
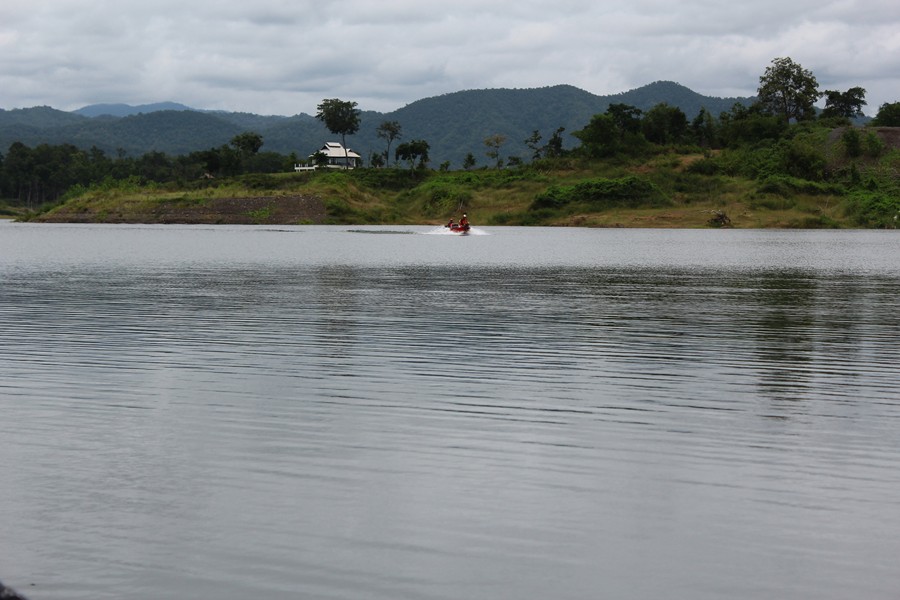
(453,124)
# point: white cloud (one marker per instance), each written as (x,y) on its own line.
(282,58)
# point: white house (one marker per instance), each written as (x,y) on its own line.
(337,157)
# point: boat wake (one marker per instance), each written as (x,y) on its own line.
(447,231)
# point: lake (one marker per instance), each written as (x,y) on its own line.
(392,413)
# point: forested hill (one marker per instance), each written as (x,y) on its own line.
(453,124)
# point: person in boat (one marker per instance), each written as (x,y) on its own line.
(464,222)
(450,224)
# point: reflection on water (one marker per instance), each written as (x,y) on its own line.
(418,429)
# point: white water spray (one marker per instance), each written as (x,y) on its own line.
(442,230)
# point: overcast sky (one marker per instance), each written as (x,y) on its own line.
(283,57)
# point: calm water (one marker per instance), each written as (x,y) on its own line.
(381,413)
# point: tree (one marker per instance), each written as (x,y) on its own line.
(247,143)
(888,115)
(554,147)
(626,117)
(469,161)
(412,151)
(376,159)
(494,142)
(341,118)
(17,172)
(390,131)
(320,159)
(703,128)
(664,124)
(601,137)
(788,90)
(748,124)
(157,166)
(844,104)
(616,130)
(533,142)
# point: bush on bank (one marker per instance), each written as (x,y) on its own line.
(602,193)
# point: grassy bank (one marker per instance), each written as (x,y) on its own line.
(687,189)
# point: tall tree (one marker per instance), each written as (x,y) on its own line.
(704,128)
(534,144)
(554,147)
(788,90)
(247,145)
(390,131)
(844,104)
(341,117)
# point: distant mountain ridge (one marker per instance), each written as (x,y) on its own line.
(126,110)
(454,124)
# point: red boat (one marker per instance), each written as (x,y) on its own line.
(462,227)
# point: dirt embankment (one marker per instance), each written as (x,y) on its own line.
(284,210)
(889,135)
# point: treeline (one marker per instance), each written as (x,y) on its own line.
(786,98)
(36,176)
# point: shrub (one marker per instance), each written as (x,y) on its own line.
(875,208)
(260,181)
(337,209)
(818,222)
(496,178)
(802,157)
(692,183)
(705,166)
(852,142)
(754,162)
(630,191)
(260,215)
(537,217)
(443,196)
(387,179)
(773,203)
(783,185)
(874,145)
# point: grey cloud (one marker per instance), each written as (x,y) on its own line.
(276,57)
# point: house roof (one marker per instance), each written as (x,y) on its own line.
(335,150)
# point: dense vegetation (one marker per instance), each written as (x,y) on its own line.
(776,162)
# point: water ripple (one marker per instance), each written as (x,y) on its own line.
(331,431)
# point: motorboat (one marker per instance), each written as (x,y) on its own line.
(460,229)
